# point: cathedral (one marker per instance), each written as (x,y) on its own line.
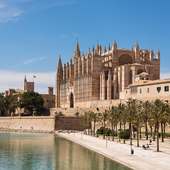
(102,74)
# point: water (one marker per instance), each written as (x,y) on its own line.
(25,151)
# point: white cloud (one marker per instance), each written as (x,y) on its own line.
(11,10)
(33,60)
(15,80)
(8,12)
(165,75)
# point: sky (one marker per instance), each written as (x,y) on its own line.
(33,33)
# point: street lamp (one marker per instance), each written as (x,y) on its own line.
(131,149)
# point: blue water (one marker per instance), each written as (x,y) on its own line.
(25,151)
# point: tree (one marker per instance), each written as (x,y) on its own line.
(11,104)
(131,107)
(159,112)
(92,118)
(32,103)
(103,118)
(146,116)
(164,120)
(3,108)
(87,120)
(113,119)
(121,110)
(138,117)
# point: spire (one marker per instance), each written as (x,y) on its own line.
(77,50)
(59,67)
(136,46)
(109,48)
(93,51)
(25,79)
(151,54)
(105,49)
(114,46)
(158,54)
(97,49)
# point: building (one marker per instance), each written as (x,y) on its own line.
(148,90)
(49,99)
(102,74)
(28,86)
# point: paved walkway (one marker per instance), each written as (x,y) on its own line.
(141,160)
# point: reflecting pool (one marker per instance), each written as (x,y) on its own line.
(26,151)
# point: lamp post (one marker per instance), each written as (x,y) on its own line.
(18,109)
(130,112)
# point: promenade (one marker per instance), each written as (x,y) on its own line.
(141,160)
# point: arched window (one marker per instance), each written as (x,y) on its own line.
(71,100)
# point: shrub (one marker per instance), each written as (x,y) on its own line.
(106,131)
(124,134)
(167,135)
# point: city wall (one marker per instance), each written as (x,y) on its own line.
(39,124)
(70,123)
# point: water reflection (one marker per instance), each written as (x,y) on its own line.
(20,151)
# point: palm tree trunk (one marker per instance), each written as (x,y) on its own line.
(146,130)
(162,132)
(138,136)
(164,129)
(91,128)
(120,126)
(157,134)
(124,124)
(151,131)
(116,130)
(140,132)
(120,129)
(112,132)
(94,128)
(104,133)
(154,132)
(130,133)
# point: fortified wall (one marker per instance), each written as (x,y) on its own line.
(39,124)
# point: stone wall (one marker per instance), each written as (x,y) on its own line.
(39,124)
(97,103)
(82,107)
(70,123)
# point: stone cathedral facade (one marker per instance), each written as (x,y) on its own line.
(103,73)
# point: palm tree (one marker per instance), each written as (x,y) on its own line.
(113,112)
(151,123)
(146,115)
(138,117)
(93,117)
(124,116)
(121,110)
(131,107)
(103,116)
(164,120)
(158,113)
(87,120)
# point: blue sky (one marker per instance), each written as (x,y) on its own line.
(34,32)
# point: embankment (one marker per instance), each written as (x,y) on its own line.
(37,124)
